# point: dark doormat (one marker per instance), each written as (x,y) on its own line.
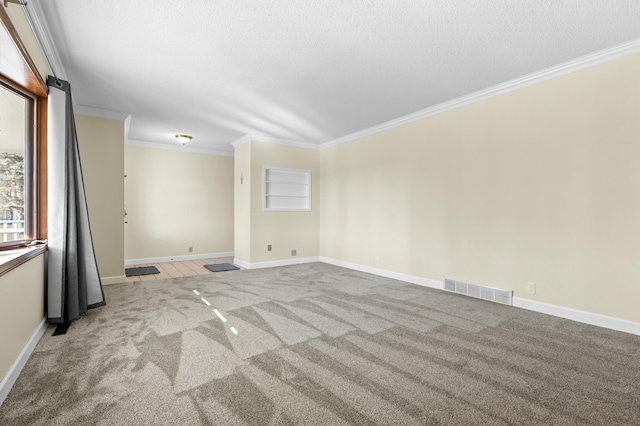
(220,267)
(141,270)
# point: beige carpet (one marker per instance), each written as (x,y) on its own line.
(322,345)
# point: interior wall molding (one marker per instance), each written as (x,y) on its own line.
(35,17)
(34,14)
(518,302)
(587,61)
(101,113)
(266,139)
(10,378)
(241,263)
(113,280)
(127,125)
(241,140)
(274,263)
(425,282)
(578,315)
(178,147)
(164,259)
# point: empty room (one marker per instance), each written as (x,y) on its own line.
(319,213)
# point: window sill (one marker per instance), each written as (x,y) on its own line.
(11,259)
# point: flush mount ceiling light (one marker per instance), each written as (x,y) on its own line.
(14,1)
(183,139)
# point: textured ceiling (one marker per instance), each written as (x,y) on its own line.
(310,71)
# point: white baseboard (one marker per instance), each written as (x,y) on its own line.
(129,262)
(274,263)
(579,316)
(518,302)
(375,271)
(14,371)
(113,280)
(426,282)
(241,263)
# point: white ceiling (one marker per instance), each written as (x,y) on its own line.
(308,70)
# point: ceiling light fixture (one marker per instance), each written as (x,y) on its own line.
(14,1)
(183,139)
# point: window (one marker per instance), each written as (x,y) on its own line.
(286,189)
(17,192)
(23,142)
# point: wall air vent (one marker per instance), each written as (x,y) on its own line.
(498,295)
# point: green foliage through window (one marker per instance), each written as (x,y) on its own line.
(11,186)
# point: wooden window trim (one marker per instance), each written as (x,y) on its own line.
(23,71)
(22,255)
(18,70)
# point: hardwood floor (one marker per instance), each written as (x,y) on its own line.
(185,268)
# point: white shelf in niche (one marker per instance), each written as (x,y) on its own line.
(286,189)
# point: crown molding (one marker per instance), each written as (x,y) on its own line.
(178,147)
(241,140)
(587,61)
(127,126)
(267,139)
(101,113)
(35,17)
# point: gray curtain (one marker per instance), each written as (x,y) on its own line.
(73,284)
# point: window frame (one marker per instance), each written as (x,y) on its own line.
(30,171)
(21,75)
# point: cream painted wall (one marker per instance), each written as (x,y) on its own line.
(283,230)
(101,144)
(242,202)
(540,184)
(22,290)
(176,200)
(21,309)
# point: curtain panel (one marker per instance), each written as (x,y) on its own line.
(73,284)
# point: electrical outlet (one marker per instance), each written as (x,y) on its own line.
(269,247)
(294,252)
(531,287)
(190,249)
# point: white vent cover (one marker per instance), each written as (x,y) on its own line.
(491,294)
